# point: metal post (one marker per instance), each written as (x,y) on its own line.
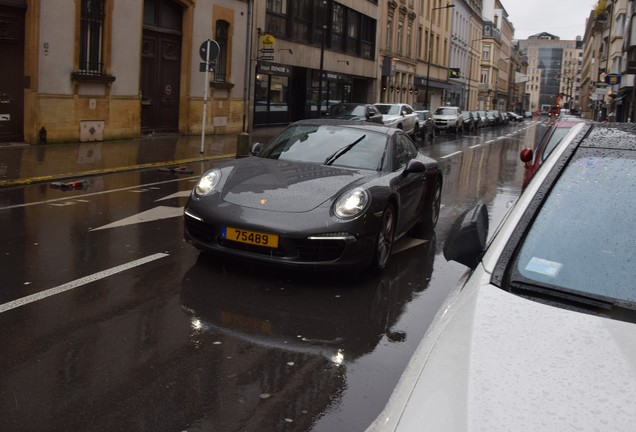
(322,55)
(205,94)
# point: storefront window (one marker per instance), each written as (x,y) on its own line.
(271,99)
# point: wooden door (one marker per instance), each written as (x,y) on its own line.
(160,81)
(12,79)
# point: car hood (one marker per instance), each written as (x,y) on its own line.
(388,118)
(270,184)
(445,117)
(504,363)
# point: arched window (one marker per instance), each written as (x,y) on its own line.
(221,37)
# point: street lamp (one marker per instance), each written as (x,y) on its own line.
(428,60)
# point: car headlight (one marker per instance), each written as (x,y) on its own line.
(352,203)
(208,182)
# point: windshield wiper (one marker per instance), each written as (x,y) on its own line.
(332,158)
(617,309)
(551,292)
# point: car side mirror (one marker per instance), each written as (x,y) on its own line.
(467,239)
(413,166)
(526,155)
(256,149)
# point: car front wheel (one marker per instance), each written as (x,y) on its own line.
(384,239)
(430,212)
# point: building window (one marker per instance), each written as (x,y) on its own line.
(409,31)
(486,53)
(276,17)
(398,47)
(337,27)
(221,37)
(91,37)
(484,76)
(389,30)
(302,29)
(353,33)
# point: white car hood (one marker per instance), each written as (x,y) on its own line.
(505,363)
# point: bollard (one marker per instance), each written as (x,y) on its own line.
(242,145)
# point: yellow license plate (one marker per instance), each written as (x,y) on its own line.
(251,237)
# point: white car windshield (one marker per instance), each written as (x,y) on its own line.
(389,109)
(446,111)
(583,239)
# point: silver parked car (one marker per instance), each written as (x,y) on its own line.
(540,334)
(448,119)
(401,116)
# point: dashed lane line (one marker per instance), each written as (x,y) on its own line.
(79,282)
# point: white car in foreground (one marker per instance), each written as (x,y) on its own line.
(541,334)
(401,116)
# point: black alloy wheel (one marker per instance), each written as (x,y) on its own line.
(384,240)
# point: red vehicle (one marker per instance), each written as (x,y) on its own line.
(533,158)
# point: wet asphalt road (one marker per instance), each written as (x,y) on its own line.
(110,321)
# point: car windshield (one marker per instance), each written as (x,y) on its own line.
(583,239)
(445,111)
(353,110)
(389,109)
(362,149)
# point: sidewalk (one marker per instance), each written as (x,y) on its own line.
(22,164)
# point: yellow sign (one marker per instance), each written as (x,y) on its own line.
(267,40)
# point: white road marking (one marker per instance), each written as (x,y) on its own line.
(157,213)
(449,155)
(79,282)
(191,179)
(180,194)
(475,146)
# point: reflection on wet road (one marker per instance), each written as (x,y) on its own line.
(190,342)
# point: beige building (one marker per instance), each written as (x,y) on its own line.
(112,69)
(434,21)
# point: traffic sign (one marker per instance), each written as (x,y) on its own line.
(268,40)
(266,58)
(215,49)
(211,67)
(267,50)
(613,79)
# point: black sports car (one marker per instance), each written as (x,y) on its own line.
(321,193)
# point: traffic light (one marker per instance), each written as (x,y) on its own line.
(453,72)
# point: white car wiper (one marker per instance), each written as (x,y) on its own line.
(617,309)
(332,158)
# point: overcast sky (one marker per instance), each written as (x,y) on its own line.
(563,18)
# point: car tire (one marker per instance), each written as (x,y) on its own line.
(430,214)
(384,239)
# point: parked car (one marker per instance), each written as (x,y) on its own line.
(514,117)
(401,116)
(468,122)
(486,121)
(532,158)
(448,118)
(493,118)
(426,126)
(323,193)
(478,120)
(355,111)
(540,334)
